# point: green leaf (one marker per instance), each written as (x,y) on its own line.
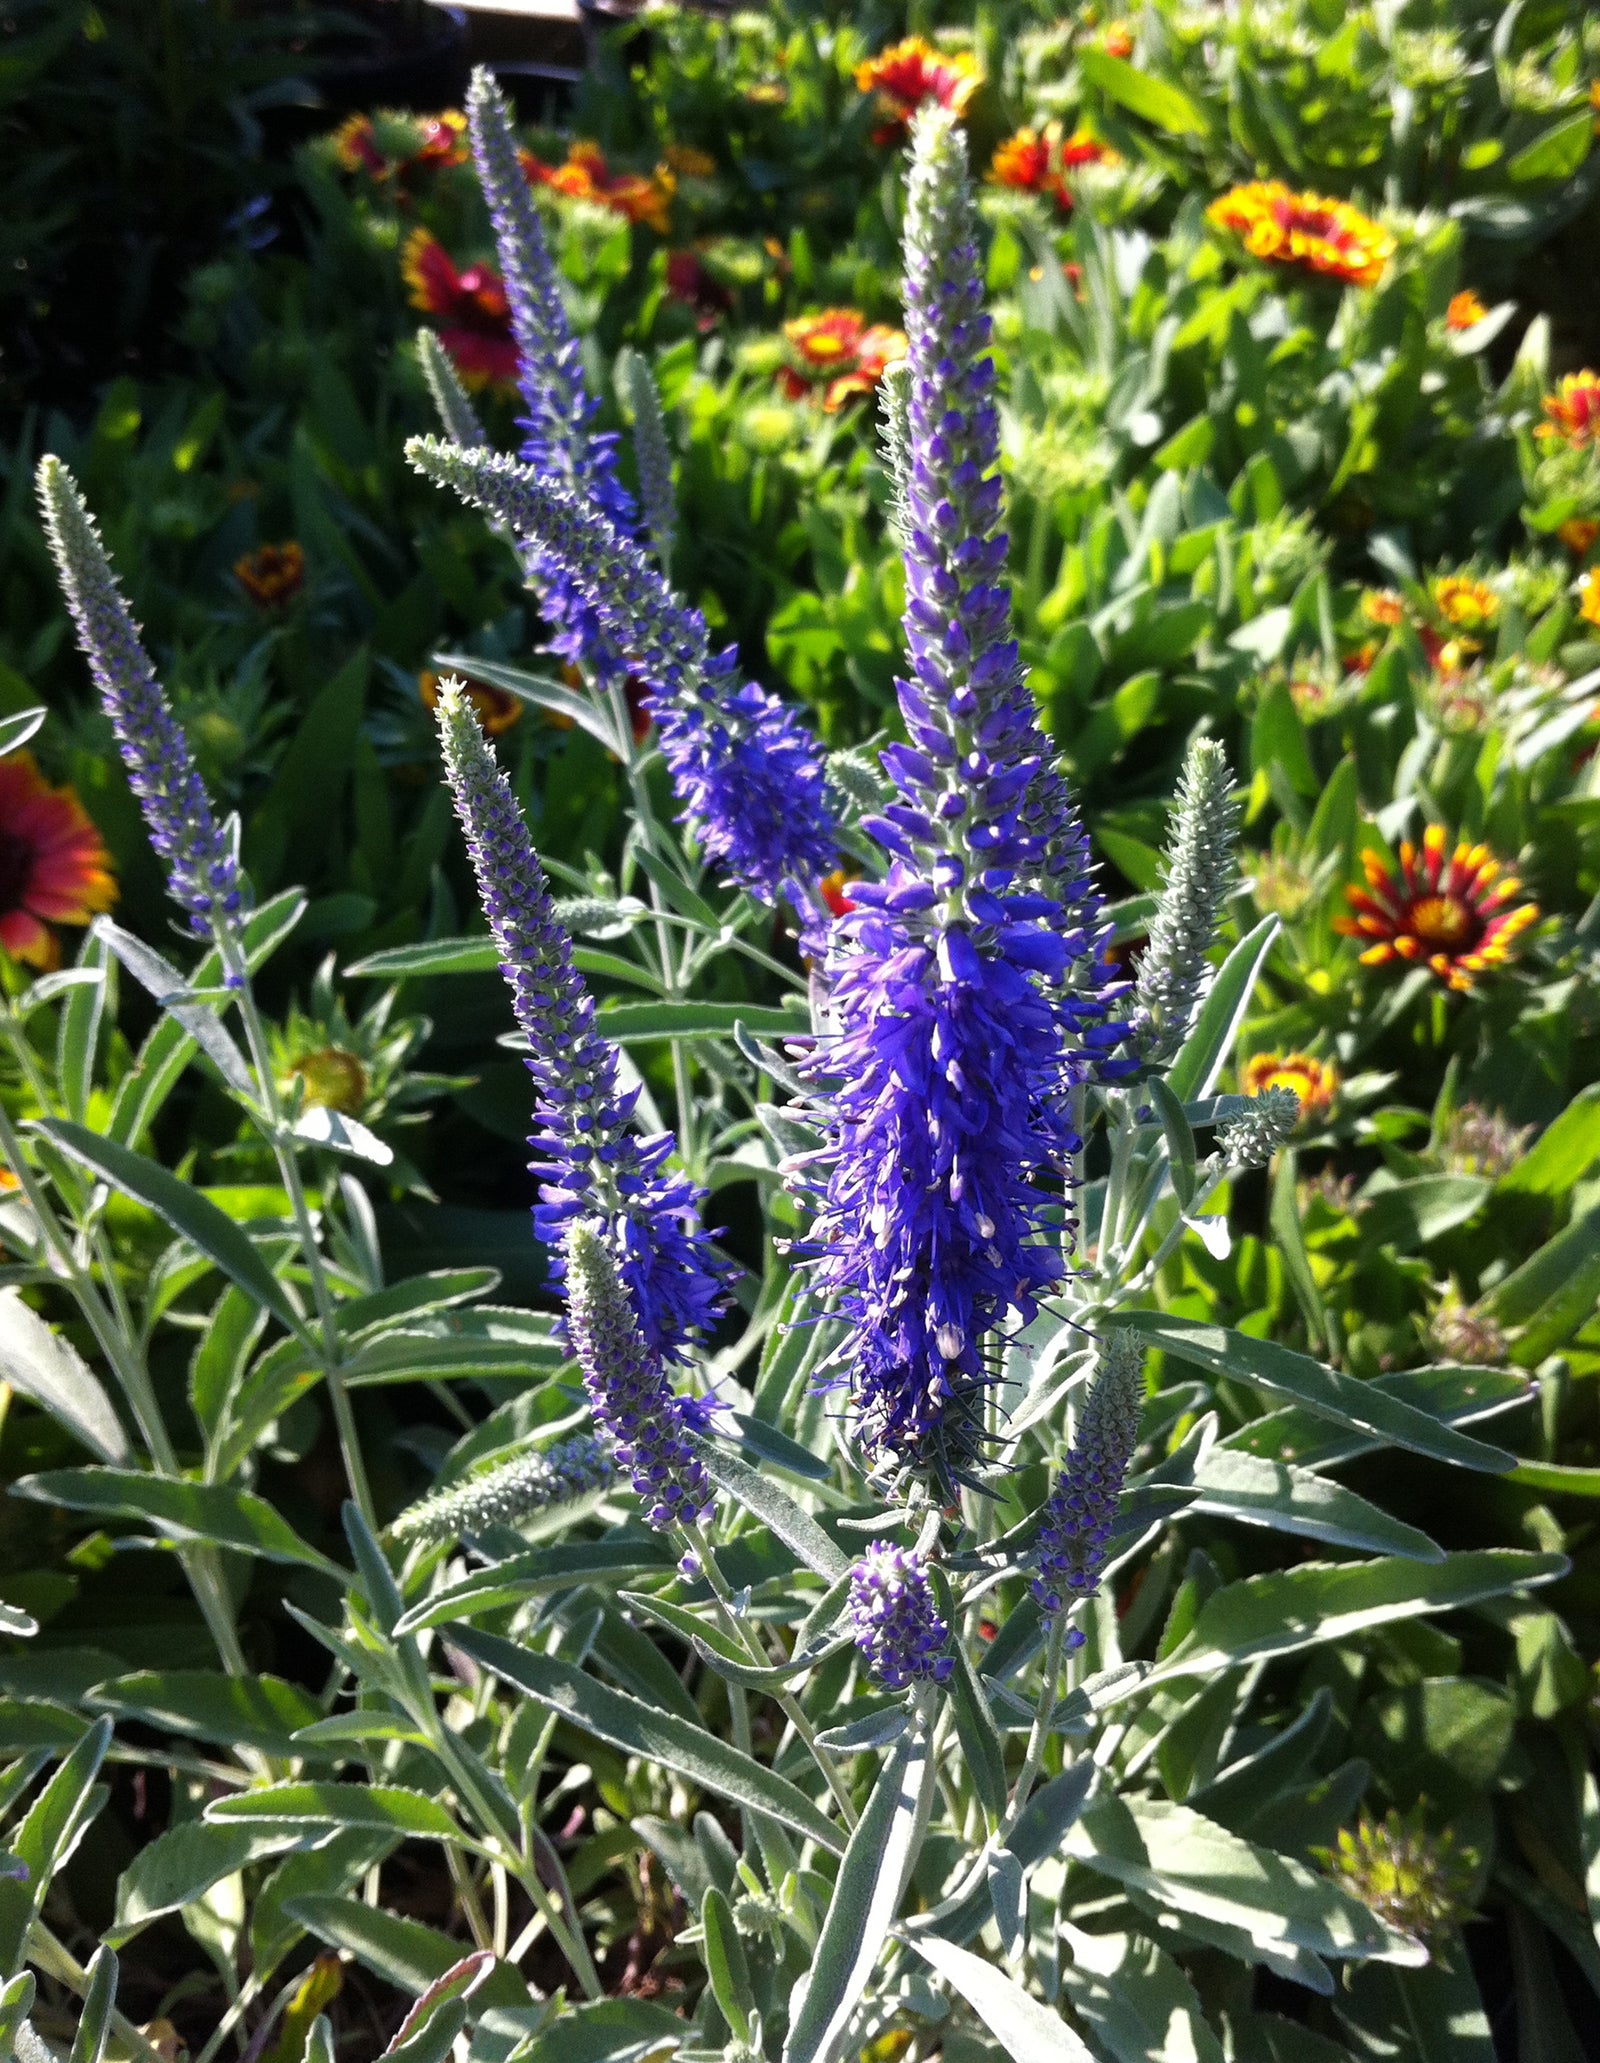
(798,1531)
(99,2005)
(1142,94)
(181,1865)
(1026,2029)
(1456,1395)
(1347,1401)
(1294,1500)
(15,731)
(1135,2000)
(1557,153)
(195,1217)
(540,691)
(172,993)
(428,2032)
(632,1023)
(980,1737)
(1180,1141)
(1194,1073)
(1562,1155)
(55,1823)
(638,1729)
(78,1033)
(725,1962)
(606,2031)
(43,1367)
(474,955)
(1288,1609)
(565,1566)
(872,1879)
(405,1953)
(375,1808)
(262,1711)
(1427,2016)
(179,1510)
(1409,1214)
(16,2003)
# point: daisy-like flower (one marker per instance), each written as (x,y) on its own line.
(1037,161)
(1589,595)
(1578,534)
(470,308)
(496,709)
(913,74)
(1315,1082)
(1458,916)
(585,176)
(837,354)
(1465,312)
(1572,412)
(273,574)
(1382,606)
(1464,603)
(1326,237)
(431,141)
(54,868)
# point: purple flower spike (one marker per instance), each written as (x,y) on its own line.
(648,1423)
(892,1617)
(590,1163)
(1074,1539)
(202,872)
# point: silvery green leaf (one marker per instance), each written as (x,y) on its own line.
(321,1126)
(46,1369)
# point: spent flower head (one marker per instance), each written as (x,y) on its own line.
(510,1492)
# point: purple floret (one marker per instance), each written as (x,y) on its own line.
(892,1617)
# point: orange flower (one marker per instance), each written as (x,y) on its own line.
(496,709)
(1451,918)
(1315,1082)
(832,888)
(586,176)
(471,308)
(1381,605)
(273,574)
(1117,40)
(1578,534)
(909,74)
(1326,237)
(685,162)
(837,352)
(1466,603)
(54,869)
(1589,596)
(1034,161)
(1574,410)
(1465,312)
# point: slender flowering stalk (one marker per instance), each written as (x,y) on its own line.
(748,773)
(452,403)
(652,458)
(202,871)
(590,1163)
(892,1617)
(648,1422)
(514,1491)
(1173,974)
(1075,1536)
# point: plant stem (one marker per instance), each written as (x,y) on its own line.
(1039,1733)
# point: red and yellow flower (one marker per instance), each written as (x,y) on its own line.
(1038,160)
(1578,534)
(838,354)
(435,141)
(1465,312)
(1589,595)
(470,308)
(1572,412)
(834,889)
(1458,917)
(1315,1082)
(1325,237)
(496,709)
(690,280)
(1464,603)
(586,176)
(273,574)
(1382,606)
(1117,41)
(909,75)
(54,868)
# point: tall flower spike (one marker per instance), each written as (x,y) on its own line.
(746,770)
(648,1422)
(652,458)
(892,1616)
(1173,975)
(589,1162)
(894,442)
(514,1491)
(1075,1536)
(202,871)
(452,403)
(963,986)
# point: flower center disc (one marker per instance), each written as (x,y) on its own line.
(1441,920)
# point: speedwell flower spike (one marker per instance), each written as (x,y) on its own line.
(746,770)
(1075,1536)
(652,459)
(451,401)
(647,1421)
(892,1616)
(202,872)
(590,1163)
(503,1496)
(1255,1135)
(1174,975)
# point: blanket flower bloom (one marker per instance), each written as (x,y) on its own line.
(1589,595)
(1465,311)
(1457,917)
(1038,161)
(1316,235)
(1464,603)
(469,307)
(54,868)
(585,176)
(1314,1082)
(1572,411)
(515,1490)
(404,143)
(747,771)
(590,1164)
(647,1422)
(836,353)
(1075,1534)
(958,1011)
(892,1616)
(202,871)
(496,709)
(1578,534)
(912,74)
(273,574)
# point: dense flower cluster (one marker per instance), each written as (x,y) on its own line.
(1326,237)
(202,871)
(591,1165)
(469,307)
(1075,1534)
(838,355)
(647,1422)
(585,176)
(1413,1879)
(513,1491)
(912,74)
(54,868)
(1314,1082)
(1039,160)
(1458,917)
(892,1616)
